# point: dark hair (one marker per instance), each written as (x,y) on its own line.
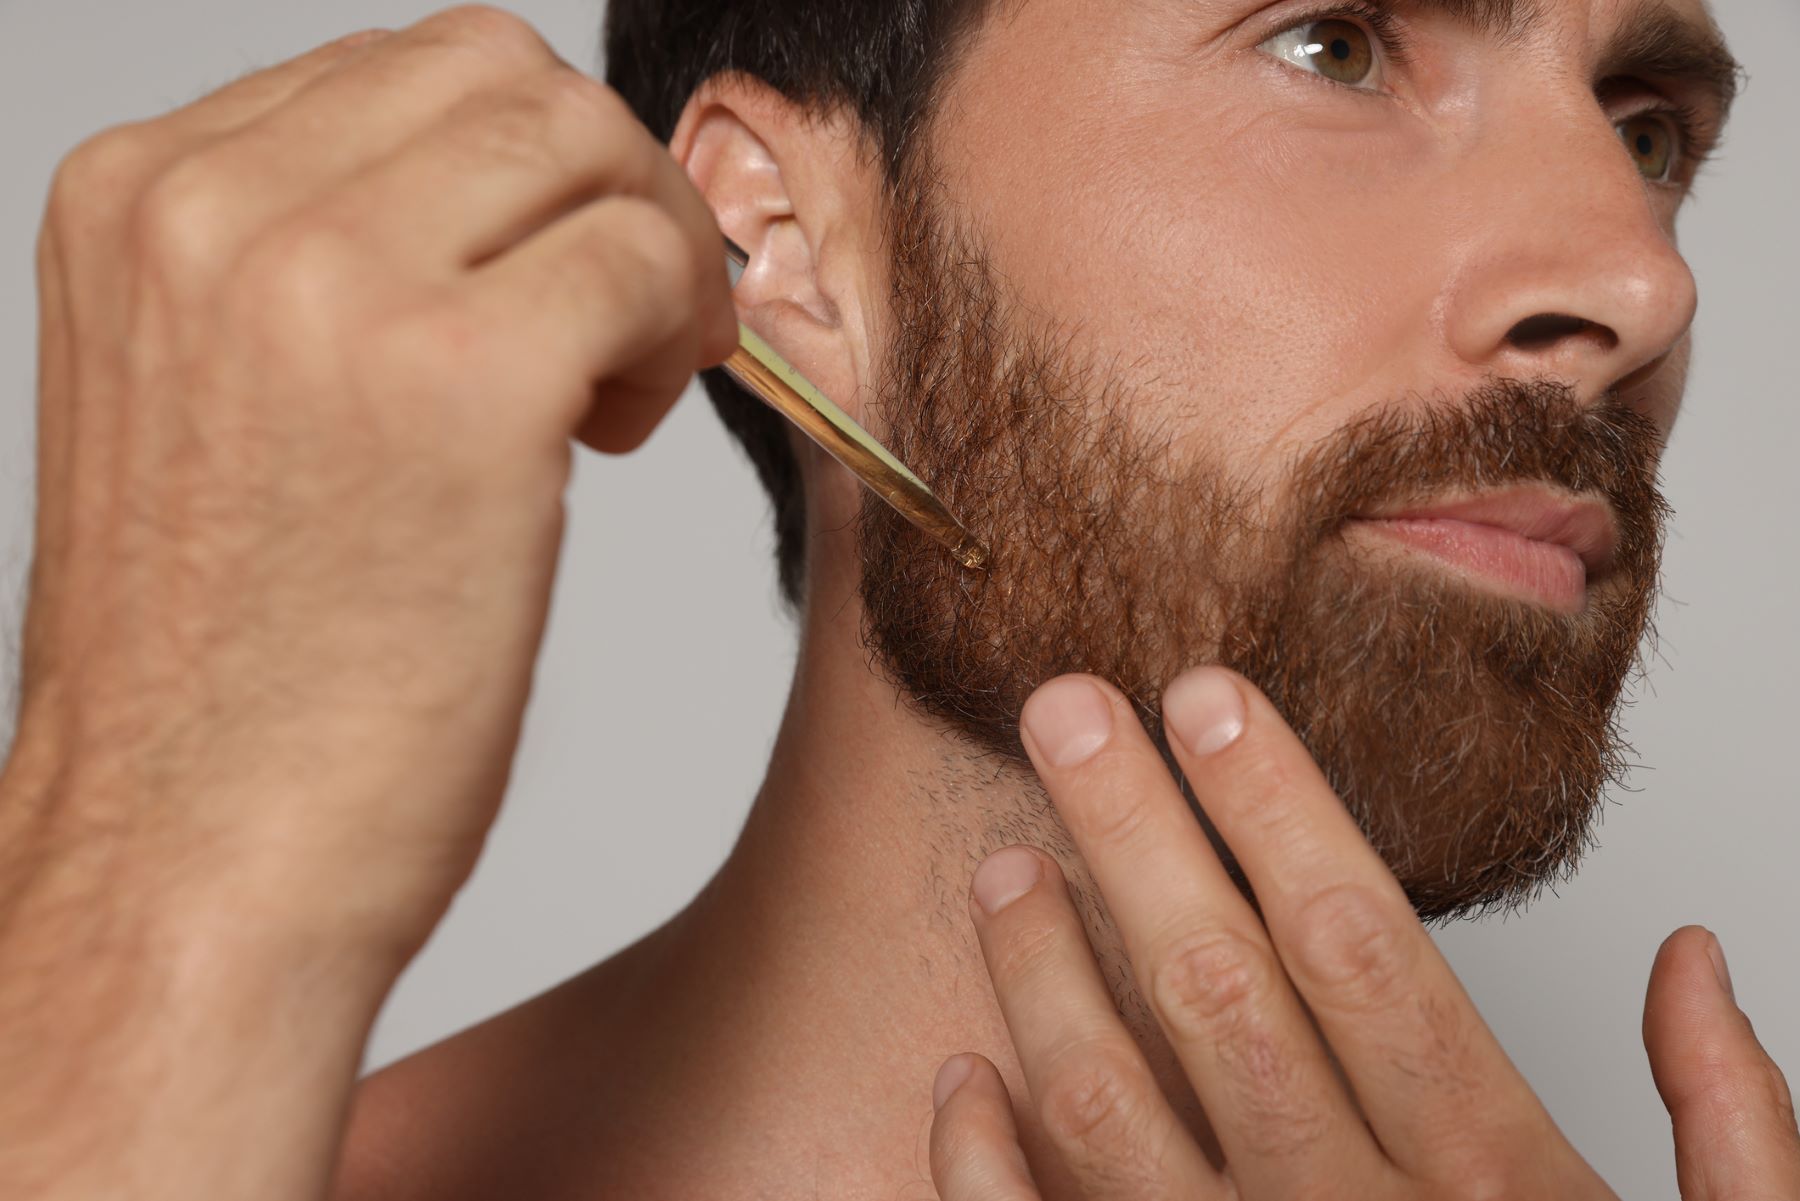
(879,59)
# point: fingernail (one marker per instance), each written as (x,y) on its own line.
(1004,877)
(1069,720)
(1204,709)
(950,1077)
(1719,969)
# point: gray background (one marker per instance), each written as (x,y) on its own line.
(619,813)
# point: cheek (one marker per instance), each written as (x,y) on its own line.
(1283,275)
(1253,257)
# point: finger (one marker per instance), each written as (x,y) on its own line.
(626,409)
(107,173)
(1733,1115)
(1285,1122)
(1428,1074)
(506,163)
(602,299)
(1090,1085)
(409,78)
(975,1153)
(255,94)
(343,119)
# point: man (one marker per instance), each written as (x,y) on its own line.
(1336,347)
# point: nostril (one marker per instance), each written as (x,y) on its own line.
(1547,329)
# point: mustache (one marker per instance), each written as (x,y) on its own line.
(1503,431)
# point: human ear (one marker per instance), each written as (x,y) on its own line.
(795,190)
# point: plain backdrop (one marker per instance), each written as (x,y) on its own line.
(666,664)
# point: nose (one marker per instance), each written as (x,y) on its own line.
(1568,271)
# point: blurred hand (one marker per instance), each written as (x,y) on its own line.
(312,353)
(1332,1048)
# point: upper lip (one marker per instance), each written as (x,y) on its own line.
(1584,524)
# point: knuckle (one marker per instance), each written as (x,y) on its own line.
(179,217)
(1262,795)
(1114,816)
(1779,1093)
(568,92)
(1217,988)
(291,275)
(488,31)
(356,41)
(96,172)
(1026,953)
(1209,981)
(959,1141)
(1092,1102)
(338,49)
(1348,945)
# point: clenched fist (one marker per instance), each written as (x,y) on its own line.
(313,350)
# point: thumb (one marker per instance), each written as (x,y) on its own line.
(1735,1138)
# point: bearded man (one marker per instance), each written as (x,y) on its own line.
(1306,372)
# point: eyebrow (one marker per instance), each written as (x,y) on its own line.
(1656,41)
(1652,39)
(1508,19)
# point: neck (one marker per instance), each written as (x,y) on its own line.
(793,1015)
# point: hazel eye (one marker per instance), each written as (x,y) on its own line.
(1651,144)
(1341,51)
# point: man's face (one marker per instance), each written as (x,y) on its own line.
(1196,299)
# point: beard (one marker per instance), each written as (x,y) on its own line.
(1472,737)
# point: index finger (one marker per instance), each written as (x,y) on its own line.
(1427,1072)
(1204,962)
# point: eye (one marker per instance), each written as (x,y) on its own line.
(1651,144)
(1340,50)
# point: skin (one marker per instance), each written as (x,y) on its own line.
(1331,1044)
(277,358)
(332,315)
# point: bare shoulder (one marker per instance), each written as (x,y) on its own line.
(385,1144)
(467,1117)
(409,1132)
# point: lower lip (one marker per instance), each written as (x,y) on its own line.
(1509,563)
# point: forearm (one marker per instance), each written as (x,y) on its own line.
(293,567)
(168,1027)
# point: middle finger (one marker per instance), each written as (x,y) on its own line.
(1286,1123)
(370,104)
(1426,1070)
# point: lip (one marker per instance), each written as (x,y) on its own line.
(1527,540)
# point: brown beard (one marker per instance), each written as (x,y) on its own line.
(1471,736)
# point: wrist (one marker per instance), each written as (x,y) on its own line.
(228,907)
(342,856)
(155,1024)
